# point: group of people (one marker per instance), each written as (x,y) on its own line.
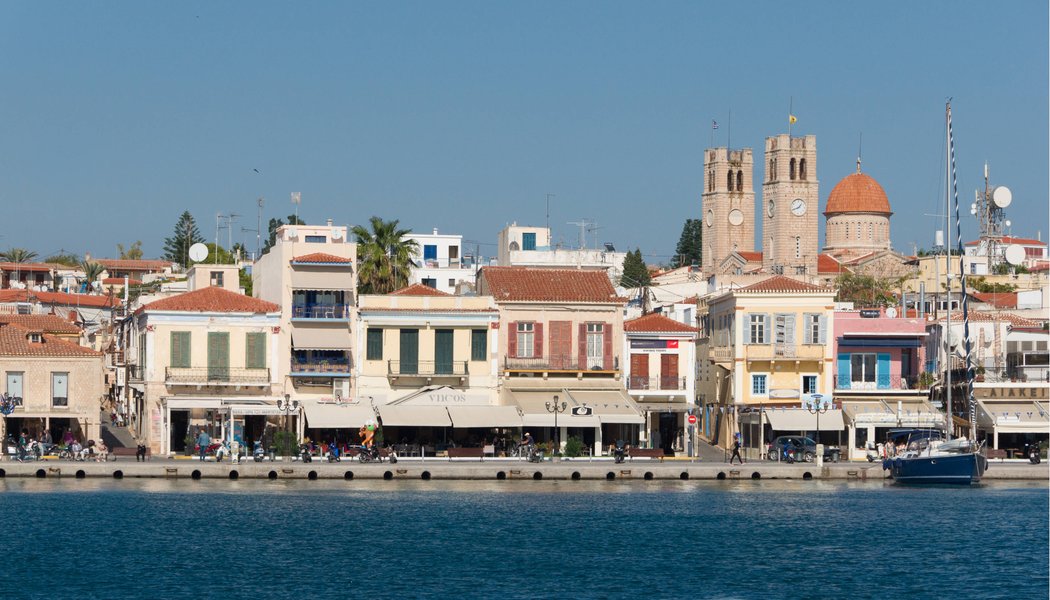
(28,448)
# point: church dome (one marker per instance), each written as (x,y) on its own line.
(858,193)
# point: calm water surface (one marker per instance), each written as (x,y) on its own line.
(362,540)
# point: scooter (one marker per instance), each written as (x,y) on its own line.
(257,452)
(304,453)
(1034,455)
(619,453)
(333,453)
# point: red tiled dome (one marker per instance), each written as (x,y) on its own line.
(858,193)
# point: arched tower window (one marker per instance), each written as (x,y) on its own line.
(802,168)
(871,232)
(772,170)
(739,181)
(729,180)
(791,169)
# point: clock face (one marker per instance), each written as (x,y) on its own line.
(736,217)
(710,218)
(798,207)
(769,209)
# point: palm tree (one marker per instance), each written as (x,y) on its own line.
(384,256)
(92,271)
(18,255)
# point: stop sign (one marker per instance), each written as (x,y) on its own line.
(692,419)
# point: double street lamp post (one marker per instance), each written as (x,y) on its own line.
(816,406)
(555,407)
(288,406)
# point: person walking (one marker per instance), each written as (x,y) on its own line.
(736,451)
(203,441)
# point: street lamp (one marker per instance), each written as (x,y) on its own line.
(554,407)
(287,406)
(816,407)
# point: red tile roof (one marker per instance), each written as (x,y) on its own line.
(212,299)
(827,264)
(750,256)
(120,281)
(418,289)
(986,315)
(133,265)
(857,192)
(13,266)
(1013,240)
(523,284)
(655,322)
(45,323)
(321,257)
(998,299)
(780,283)
(1040,266)
(59,298)
(14,341)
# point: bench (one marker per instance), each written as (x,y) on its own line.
(999,453)
(115,452)
(478,453)
(646,453)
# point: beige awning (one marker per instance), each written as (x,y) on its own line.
(610,406)
(533,406)
(321,338)
(1013,417)
(484,416)
(797,419)
(414,416)
(912,413)
(337,416)
(304,278)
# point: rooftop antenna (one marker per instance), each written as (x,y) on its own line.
(297,199)
(230,218)
(594,228)
(860,149)
(582,224)
(549,196)
(218,218)
(257,230)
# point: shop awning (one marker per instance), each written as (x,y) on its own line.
(915,413)
(1013,417)
(797,419)
(321,338)
(533,404)
(484,416)
(337,416)
(305,278)
(610,406)
(414,416)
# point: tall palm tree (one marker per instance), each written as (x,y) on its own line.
(384,256)
(18,255)
(92,271)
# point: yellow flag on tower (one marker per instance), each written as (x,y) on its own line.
(792,119)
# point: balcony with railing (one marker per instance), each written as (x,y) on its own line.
(882,383)
(655,383)
(722,353)
(135,372)
(560,363)
(334,312)
(216,376)
(775,352)
(401,371)
(320,368)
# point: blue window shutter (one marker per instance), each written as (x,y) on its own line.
(528,241)
(430,252)
(882,371)
(844,371)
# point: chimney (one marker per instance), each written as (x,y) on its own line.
(435,231)
(328,222)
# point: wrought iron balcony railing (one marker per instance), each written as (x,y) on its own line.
(644,382)
(216,376)
(427,368)
(321,311)
(559,362)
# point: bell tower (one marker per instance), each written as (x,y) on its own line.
(727,205)
(790,205)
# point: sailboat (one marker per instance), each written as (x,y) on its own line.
(928,458)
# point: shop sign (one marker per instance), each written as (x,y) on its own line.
(654,344)
(869,313)
(1002,393)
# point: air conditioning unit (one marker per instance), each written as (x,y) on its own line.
(341,390)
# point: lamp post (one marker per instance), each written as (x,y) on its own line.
(554,407)
(287,406)
(816,407)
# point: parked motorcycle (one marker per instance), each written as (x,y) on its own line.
(333,453)
(619,452)
(304,453)
(1034,455)
(257,452)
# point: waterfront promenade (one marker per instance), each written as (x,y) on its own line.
(490,469)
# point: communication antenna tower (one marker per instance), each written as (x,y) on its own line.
(990,210)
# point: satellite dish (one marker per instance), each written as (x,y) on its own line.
(1002,197)
(337,235)
(1014,254)
(891,313)
(198,252)
(292,233)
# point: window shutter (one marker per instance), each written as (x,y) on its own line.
(882,371)
(512,340)
(766,331)
(607,357)
(537,338)
(789,330)
(581,346)
(822,326)
(255,350)
(844,371)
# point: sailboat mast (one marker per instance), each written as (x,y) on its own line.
(948,268)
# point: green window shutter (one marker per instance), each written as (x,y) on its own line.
(218,356)
(409,351)
(255,351)
(443,344)
(375,345)
(479,344)
(180,349)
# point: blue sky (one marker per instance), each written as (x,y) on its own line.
(118,116)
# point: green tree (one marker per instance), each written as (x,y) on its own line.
(64,258)
(92,271)
(245,279)
(18,255)
(866,291)
(218,255)
(186,234)
(384,256)
(980,284)
(1005,268)
(635,273)
(274,225)
(689,245)
(133,252)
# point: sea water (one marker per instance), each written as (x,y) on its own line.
(78,539)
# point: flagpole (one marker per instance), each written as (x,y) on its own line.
(712,145)
(729,131)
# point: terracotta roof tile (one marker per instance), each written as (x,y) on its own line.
(321,257)
(14,341)
(12,266)
(998,299)
(212,299)
(750,256)
(133,265)
(858,193)
(780,283)
(655,322)
(59,298)
(827,264)
(984,316)
(45,323)
(523,284)
(418,289)
(1013,240)
(120,281)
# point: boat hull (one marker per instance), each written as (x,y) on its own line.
(952,469)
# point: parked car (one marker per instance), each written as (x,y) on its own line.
(803,449)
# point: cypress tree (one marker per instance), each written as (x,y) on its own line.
(689,244)
(635,273)
(186,234)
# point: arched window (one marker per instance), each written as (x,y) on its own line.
(772,248)
(729,180)
(791,169)
(798,247)
(711,180)
(871,232)
(739,181)
(772,170)
(802,168)
(847,230)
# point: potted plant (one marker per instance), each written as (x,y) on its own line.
(980,373)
